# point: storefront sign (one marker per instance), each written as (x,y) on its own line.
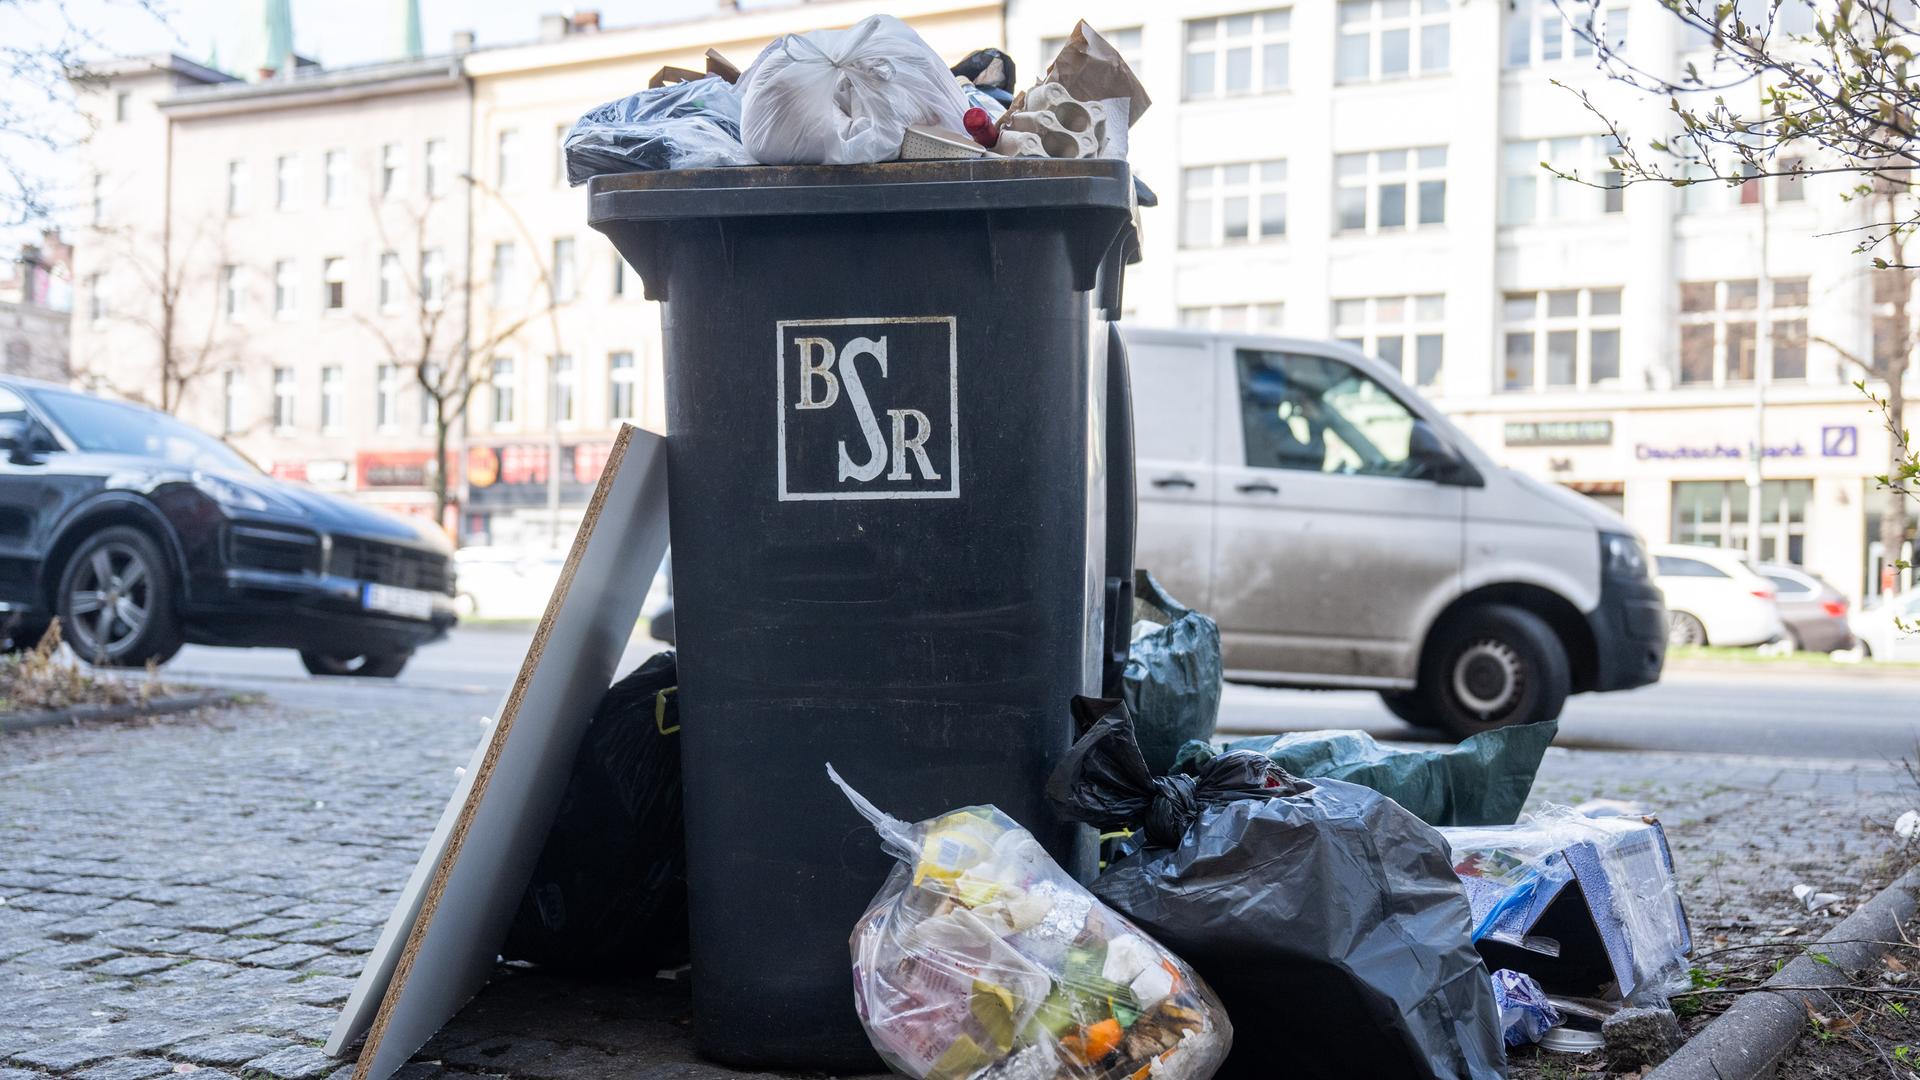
(515,475)
(396,469)
(1840,440)
(1558,433)
(295,471)
(1714,451)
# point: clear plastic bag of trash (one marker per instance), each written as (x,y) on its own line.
(1587,905)
(1325,916)
(980,957)
(1525,1012)
(845,97)
(689,125)
(1172,679)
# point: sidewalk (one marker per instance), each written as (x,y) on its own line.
(203,889)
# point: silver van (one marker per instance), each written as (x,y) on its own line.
(1345,534)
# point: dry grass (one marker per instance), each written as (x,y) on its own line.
(44,678)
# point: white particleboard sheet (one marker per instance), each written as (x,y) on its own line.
(440,944)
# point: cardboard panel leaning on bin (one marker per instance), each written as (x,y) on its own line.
(439,946)
(1578,903)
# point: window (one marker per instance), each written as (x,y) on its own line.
(1234,204)
(286,181)
(619,275)
(1235,318)
(506,151)
(99,198)
(562,406)
(386,396)
(1236,55)
(392,288)
(97,307)
(1714,513)
(1530,193)
(433,278)
(335,184)
(1408,332)
(620,386)
(334,284)
(283,398)
(1390,189)
(1710,193)
(435,164)
(1318,414)
(390,170)
(236,187)
(230,391)
(332,397)
(1125,40)
(1561,338)
(1676,566)
(503,274)
(563,276)
(230,292)
(560,154)
(1391,39)
(1538,33)
(1892,338)
(122,106)
(501,382)
(1719,339)
(286,283)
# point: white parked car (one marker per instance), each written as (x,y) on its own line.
(1715,597)
(1879,631)
(506,583)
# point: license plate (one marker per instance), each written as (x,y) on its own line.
(393,600)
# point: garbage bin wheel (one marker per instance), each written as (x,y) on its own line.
(1492,666)
(115,600)
(1409,706)
(370,666)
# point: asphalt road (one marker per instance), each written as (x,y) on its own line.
(1760,713)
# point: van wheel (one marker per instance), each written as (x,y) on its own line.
(1492,666)
(1409,706)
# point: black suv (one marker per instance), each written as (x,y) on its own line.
(143,534)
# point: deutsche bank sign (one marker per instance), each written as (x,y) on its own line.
(869,408)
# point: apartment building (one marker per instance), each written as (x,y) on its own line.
(1367,170)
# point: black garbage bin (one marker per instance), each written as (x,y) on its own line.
(886,418)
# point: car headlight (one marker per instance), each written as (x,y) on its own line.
(1621,556)
(229,494)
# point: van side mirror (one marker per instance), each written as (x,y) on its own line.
(1433,458)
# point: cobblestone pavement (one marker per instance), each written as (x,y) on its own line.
(196,894)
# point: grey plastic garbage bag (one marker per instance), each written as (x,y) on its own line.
(1483,780)
(1172,679)
(1327,918)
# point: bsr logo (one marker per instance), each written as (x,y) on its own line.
(868,409)
(820,389)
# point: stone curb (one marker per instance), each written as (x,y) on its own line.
(1748,1040)
(75,714)
(1787,668)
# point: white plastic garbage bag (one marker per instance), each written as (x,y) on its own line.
(845,97)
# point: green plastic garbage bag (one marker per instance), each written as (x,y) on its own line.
(1172,679)
(1482,781)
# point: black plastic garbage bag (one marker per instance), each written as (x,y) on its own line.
(1484,780)
(609,893)
(689,125)
(1328,919)
(1172,679)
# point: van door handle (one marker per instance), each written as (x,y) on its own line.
(1256,487)
(1174,481)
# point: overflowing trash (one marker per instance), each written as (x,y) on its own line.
(1526,1013)
(689,125)
(609,893)
(1587,906)
(980,957)
(1484,780)
(1171,682)
(1319,907)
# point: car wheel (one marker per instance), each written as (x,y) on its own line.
(1495,665)
(116,600)
(1409,706)
(1684,629)
(367,666)
(466,605)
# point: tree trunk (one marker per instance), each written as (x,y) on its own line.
(1893,514)
(441,497)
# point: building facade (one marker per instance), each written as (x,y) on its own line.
(1368,170)
(36,301)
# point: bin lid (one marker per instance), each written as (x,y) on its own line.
(888,187)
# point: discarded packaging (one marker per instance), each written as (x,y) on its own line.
(980,957)
(1171,683)
(609,894)
(932,144)
(1065,126)
(1525,1012)
(689,125)
(1567,1039)
(1484,780)
(1320,911)
(1907,825)
(845,97)
(1815,900)
(1090,69)
(1588,906)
